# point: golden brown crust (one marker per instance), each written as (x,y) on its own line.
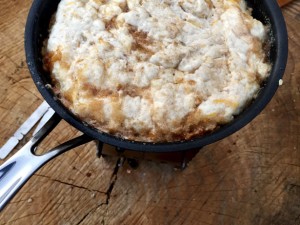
(141,41)
(50,58)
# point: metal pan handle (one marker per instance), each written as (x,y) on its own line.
(15,172)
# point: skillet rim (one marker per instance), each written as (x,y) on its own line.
(34,63)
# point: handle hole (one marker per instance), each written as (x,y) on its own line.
(62,132)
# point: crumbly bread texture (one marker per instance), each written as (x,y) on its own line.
(156,70)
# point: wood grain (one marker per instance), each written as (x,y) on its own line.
(284,2)
(251,177)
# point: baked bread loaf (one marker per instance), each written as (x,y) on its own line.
(156,70)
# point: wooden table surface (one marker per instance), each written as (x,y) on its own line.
(251,177)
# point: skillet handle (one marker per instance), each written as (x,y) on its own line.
(15,172)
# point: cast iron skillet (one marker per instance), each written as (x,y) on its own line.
(17,170)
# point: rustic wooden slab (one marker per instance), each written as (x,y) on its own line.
(251,177)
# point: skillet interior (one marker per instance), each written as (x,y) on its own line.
(266,11)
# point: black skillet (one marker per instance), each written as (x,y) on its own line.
(18,169)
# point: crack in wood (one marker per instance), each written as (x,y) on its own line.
(290,164)
(113,181)
(293,186)
(87,214)
(22,217)
(70,184)
(30,91)
(77,186)
(28,215)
